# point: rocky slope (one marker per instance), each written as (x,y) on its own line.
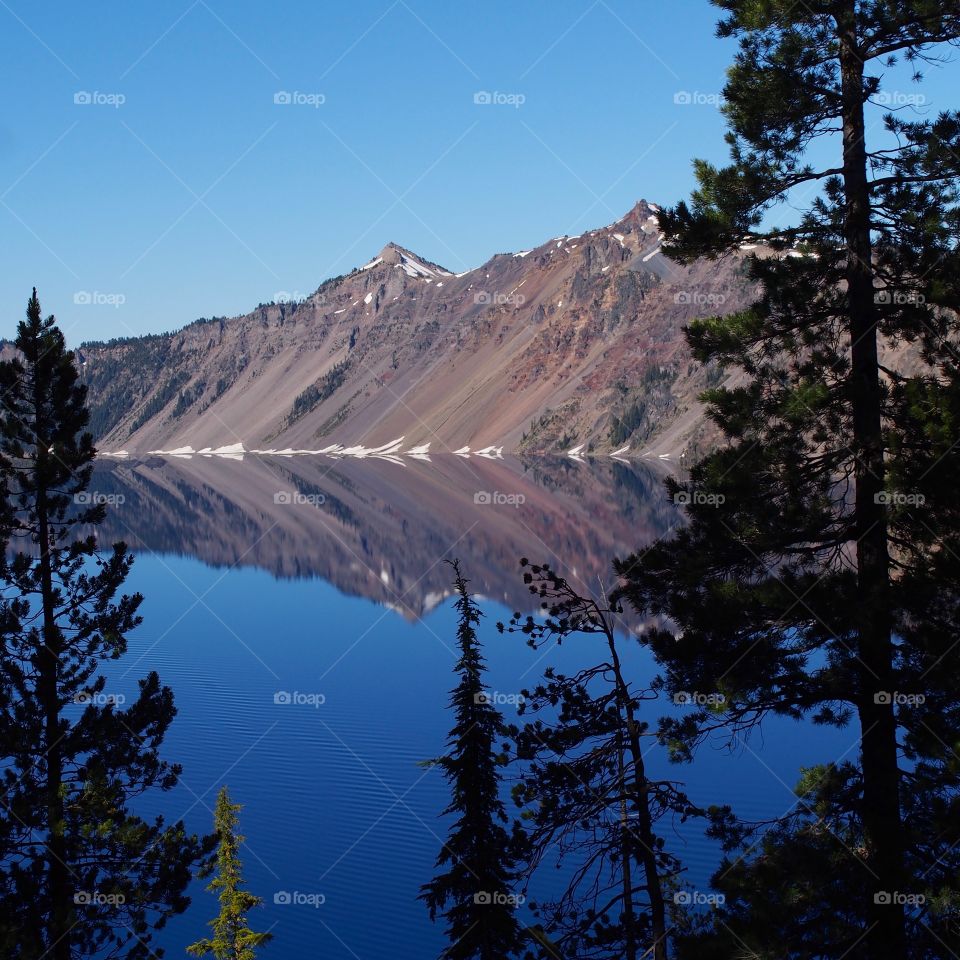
(578,341)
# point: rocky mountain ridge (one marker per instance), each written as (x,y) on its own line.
(577,342)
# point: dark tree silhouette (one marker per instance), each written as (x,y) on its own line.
(818,575)
(585,789)
(80,875)
(474,893)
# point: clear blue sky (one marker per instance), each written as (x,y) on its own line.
(199,195)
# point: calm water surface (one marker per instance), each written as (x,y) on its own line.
(307,580)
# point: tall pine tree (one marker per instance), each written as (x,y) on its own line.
(232,937)
(80,874)
(821,577)
(474,894)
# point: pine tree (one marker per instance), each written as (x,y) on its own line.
(585,789)
(232,937)
(80,874)
(474,893)
(818,576)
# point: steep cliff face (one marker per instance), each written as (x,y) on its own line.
(578,341)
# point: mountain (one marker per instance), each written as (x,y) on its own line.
(578,341)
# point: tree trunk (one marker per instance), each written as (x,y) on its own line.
(640,789)
(48,669)
(881,777)
(627,845)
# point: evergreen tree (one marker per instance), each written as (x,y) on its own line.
(818,575)
(80,873)
(232,937)
(474,893)
(586,792)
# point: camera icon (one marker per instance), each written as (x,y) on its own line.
(82,897)
(82,696)
(282,697)
(82,97)
(682,898)
(682,498)
(483,97)
(883,698)
(83,298)
(283,97)
(682,697)
(482,698)
(882,898)
(482,497)
(682,97)
(283,496)
(282,897)
(483,898)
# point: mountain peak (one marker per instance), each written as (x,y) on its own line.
(640,211)
(393,255)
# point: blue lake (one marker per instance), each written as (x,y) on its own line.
(339,608)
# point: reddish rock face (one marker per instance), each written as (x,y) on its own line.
(578,341)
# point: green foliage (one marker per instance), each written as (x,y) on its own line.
(160,399)
(649,396)
(232,937)
(316,393)
(188,398)
(80,873)
(818,577)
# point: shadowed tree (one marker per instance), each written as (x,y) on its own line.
(474,893)
(232,937)
(818,575)
(585,790)
(81,875)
